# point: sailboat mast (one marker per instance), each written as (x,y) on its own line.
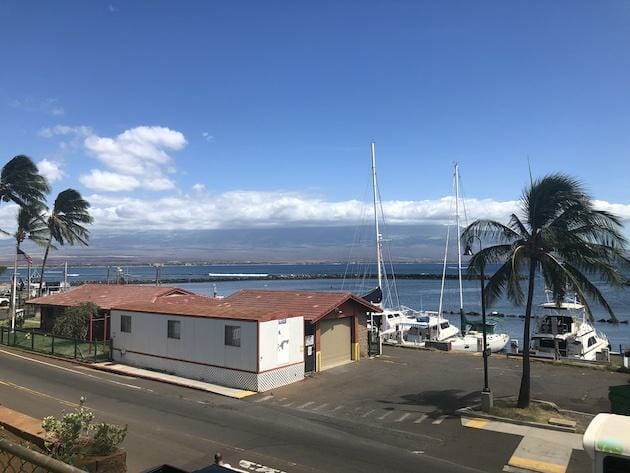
(459,250)
(379,256)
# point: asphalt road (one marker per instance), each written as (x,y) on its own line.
(354,418)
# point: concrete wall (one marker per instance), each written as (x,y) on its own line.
(202,340)
(281,343)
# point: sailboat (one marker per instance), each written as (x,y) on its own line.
(471,336)
(394,323)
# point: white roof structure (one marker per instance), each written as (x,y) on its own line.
(608,433)
(562,306)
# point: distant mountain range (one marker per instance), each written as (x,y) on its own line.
(405,243)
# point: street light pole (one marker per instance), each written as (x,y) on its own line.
(487,401)
(482,279)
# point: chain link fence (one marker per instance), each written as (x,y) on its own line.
(18,459)
(83,350)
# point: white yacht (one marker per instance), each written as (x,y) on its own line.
(565,332)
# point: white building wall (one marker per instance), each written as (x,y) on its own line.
(202,339)
(202,343)
(281,343)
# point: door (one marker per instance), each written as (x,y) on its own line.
(335,341)
(309,347)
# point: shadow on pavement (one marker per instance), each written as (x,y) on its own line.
(445,401)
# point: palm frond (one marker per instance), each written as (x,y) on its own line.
(488,230)
(20,182)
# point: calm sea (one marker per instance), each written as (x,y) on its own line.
(414,293)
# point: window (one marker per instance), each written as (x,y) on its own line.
(233,335)
(444,325)
(125,323)
(174,327)
(591,341)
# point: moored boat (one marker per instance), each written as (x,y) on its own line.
(565,331)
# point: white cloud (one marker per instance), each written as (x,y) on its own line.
(63,130)
(50,169)
(49,106)
(251,209)
(137,157)
(139,153)
(112,8)
(106,181)
(198,187)
(208,137)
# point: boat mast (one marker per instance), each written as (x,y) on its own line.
(459,252)
(379,256)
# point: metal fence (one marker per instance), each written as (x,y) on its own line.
(49,344)
(18,459)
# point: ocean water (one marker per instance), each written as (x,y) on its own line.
(414,293)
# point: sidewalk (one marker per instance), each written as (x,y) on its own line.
(127,370)
(541,450)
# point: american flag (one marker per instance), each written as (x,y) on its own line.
(28,259)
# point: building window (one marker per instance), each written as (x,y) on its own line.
(174,327)
(233,335)
(125,323)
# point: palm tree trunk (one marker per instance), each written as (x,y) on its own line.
(524,392)
(41,276)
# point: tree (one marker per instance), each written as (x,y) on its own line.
(65,224)
(31,225)
(21,183)
(557,234)
(74,322)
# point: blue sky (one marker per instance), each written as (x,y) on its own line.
(279,100)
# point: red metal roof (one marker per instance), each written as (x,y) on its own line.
(248,304)
(107,296)
(203,306)
(312,305)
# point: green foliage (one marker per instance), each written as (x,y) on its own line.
(74,322)
(557,234)
(107,437)
(74,435)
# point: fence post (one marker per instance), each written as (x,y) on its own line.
(2,335)
(75,348)
(95,348)
(52,345)
(32,340)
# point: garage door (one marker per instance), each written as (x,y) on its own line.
(335,342)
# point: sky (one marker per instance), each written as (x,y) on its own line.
(237,114)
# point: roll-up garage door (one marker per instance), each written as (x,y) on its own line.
(335,341)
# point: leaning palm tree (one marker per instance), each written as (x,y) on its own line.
(557,234)
(66,224)
(21,183)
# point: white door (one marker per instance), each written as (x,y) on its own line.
(335,341)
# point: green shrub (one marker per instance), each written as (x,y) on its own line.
(74,435)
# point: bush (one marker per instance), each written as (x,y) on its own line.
(74,321)
(74,435)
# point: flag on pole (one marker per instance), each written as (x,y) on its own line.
(28,259)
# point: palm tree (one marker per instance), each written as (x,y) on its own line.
(20,182)
(558,234)
(65,224)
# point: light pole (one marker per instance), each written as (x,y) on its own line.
(487,400)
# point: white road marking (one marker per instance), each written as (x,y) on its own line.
(253,466)
(420,419)
(282,399)
(385,415)
(288,404)
(403,417)
(306,404)
(368,413)
(70,370)
(320,407)
(439,420)
(262,399)
(337,408)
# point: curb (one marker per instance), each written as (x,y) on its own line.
(469,412)
(114,371)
